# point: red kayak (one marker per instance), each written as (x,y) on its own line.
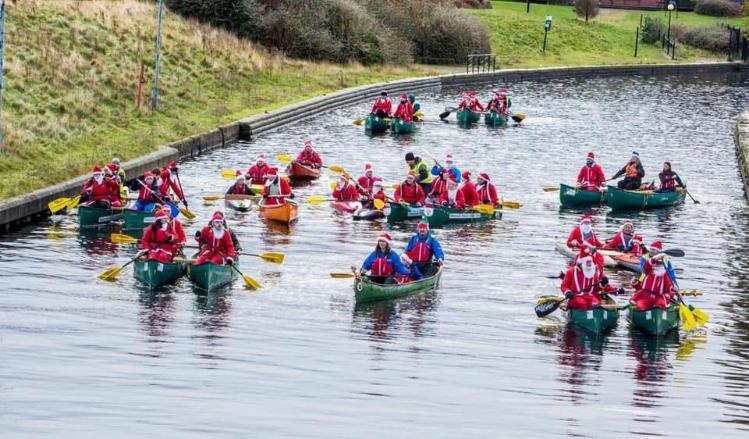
(346,206)
(298,171)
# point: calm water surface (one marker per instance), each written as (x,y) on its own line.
(80,357)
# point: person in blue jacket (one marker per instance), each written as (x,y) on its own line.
(383,263)
(449,165)
(425,250)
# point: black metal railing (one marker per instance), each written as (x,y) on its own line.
(484,62)
(669,46)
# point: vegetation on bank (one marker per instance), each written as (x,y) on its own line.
(517,37)
(71,71)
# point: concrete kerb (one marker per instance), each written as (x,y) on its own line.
(34,204)
(742,148)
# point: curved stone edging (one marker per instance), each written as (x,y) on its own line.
(27,207)
(742,148)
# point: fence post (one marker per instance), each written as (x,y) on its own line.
(637,41)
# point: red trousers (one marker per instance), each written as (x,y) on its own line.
(645,300)
(209,256)
(584,301)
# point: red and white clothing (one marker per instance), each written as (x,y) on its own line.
(656,291)
(276,192)
(145,194)
(620,243)
(103,189)
(366,183)
(470,195)
(169,182)
(176,229)
(256,174)
(309,157)
(577,235)
(346,192)
(158,243)
(384,104)
(239,189)
(472,103)
(454,199)
(215,246)
(405,111)
(409,193)
(591,178)
(439,185)
(487,193)
(586,291)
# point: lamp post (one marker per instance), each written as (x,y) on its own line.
(155,101)
(670,9)
(2,57)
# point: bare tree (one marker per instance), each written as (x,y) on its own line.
(586,8)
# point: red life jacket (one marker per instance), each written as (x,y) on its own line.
(421,252)
(382,266)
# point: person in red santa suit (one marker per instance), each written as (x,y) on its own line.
(366,181)
(345,190)
(471,102)
(591,177)
(439,185)
(409,192)
(378,193)
(159,240)
(583,234)
(656,290)
(100,192)
(452,197)
(383,106)
(240,186)
(276,189)
(405,110)
(486,190)
(175,228)
(587,250)
(468,189)
(308,156)
(256,173)
(169,187)
(215,243)
(626,241)
(582,284)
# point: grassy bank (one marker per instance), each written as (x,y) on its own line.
(71,71)
(517,37)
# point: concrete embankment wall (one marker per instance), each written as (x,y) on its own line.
(29,207)
(742,148)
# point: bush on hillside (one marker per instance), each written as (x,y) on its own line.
(586,8)
(712,38)
(651,30)
(718,8)
(473,4)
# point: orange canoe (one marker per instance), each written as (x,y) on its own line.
(285,213)
(298,171)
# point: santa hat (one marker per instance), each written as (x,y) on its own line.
(471,93)
(172,165)
(584,256)
(367,167)
(411,173)
(385,236)
(449,158)
(308,143)
(628,221)
(484,175)
(504,90)
(272,171)
(404,96)
(591,155)
(405,259)
(637,239)
(466,175)
(585,218)
(240,177)
(423,225)
(160,214)
(217,216)
(147,174)
(261,158)
(96,170)
(167,211)
(112,167)
(657,245)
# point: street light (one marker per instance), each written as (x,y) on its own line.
(670,9)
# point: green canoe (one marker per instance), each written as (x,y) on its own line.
(619,199)
(466,117)
(655,321)
(368,291)
(399,126)
(154,273)
(596,320)
(137,220)
(210,276)
(90,216)
(397,213)
(571,197)
(495,119)
(374,124)
(439,216)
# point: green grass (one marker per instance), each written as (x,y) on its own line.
(517,37)
(71,70)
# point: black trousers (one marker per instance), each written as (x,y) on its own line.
(630,183)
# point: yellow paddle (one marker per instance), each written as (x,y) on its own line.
(551,188)
(487,209)
(74,202)
(688,321)
(58,204)
(342,275)
(120,238)
(317,199)
(216,197)
(249,282)
(110,275)
(358,121)
(229,173)
(378,204)
(518,117)
(512,204)
(284,158)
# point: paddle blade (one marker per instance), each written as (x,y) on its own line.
(688,321)
(110,275)
(283,158)
(341,275)
(378,204)
(518,117)
(250,283)
(274,257)
(186,212)
(229,174)
(551,188)
(701,317)
(119,238)
(675,252)
(73,203)
(444,114)
(316,199)
(487,209)
(512,204)
(548,306)
(333,185)
(212,197)
(58,204)
(336,168)
(358,121)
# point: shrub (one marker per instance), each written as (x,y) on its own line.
(586,8)
(651,30)
(718,8)
(712,38)
(473,4)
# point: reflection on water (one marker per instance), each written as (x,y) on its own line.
(466,360)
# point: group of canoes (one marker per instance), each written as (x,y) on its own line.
(496,112)
(403,121)
(629,193)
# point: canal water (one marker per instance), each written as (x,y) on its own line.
(80,357)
